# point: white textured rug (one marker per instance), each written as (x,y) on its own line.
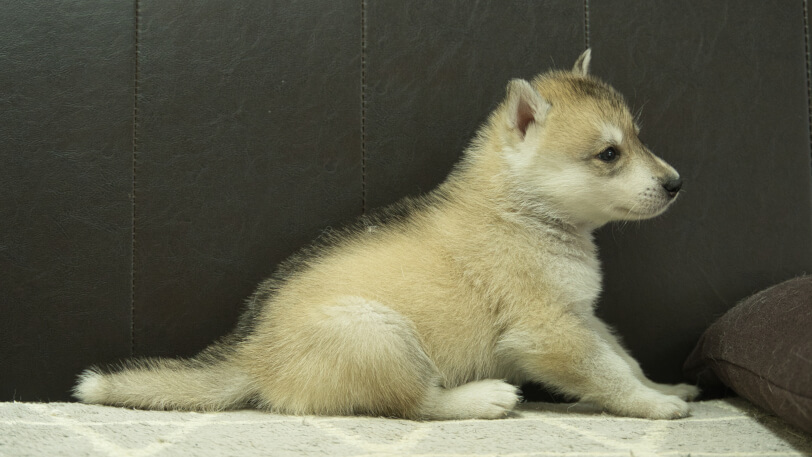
(716,429)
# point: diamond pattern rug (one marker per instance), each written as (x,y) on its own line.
(717,428)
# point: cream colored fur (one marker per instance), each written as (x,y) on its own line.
(488,282)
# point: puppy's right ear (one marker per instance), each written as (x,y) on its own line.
(581,67)
(525,106)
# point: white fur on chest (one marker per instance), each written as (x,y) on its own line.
(578,279)
(563,267)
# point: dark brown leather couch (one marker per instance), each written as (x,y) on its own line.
(159,158)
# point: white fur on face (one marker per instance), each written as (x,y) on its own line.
(639,191)
(569,186)
(611,134)
(563,184)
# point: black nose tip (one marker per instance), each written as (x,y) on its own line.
(672,186)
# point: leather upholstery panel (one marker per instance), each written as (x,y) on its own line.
(65,210)
(724,90)
(248,143)
(248,146)
(435,70)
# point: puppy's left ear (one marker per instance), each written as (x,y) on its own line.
(581,67)
(525,106)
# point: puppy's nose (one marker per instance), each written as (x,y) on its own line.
(672,186)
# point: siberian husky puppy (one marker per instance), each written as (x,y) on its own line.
(439,306)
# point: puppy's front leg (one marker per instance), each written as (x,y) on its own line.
(569,355)
(683,391)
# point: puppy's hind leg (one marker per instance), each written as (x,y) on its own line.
(358,356)
(348,356)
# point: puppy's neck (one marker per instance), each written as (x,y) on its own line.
(481,184)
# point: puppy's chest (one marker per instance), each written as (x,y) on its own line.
(568,276)
(578,280)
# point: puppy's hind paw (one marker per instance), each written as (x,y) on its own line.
(491,398)
(487,399)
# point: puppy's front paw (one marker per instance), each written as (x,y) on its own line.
(670,408)
(684,391)
(650,404)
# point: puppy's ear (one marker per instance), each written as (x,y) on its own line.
(581,67)
(525,106)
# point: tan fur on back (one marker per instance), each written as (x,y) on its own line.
(493,276)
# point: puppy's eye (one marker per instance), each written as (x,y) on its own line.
(609,154)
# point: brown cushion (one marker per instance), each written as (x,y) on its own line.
(762,350)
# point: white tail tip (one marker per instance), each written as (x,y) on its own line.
(90,388)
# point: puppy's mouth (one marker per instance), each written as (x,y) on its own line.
(646,211)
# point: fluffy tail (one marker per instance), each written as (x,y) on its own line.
(208,382)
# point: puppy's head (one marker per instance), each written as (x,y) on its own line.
(573,147)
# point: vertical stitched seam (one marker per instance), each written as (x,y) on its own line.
(808,71)
(134,164)
(363,109)
(586,24)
